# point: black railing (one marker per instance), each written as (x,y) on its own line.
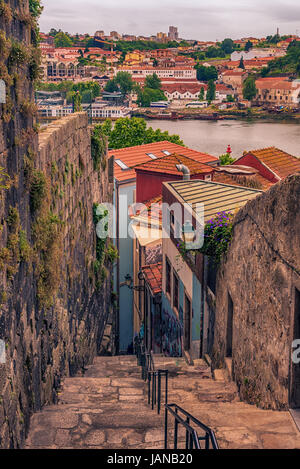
(155,388)
(188,422)
(152,376)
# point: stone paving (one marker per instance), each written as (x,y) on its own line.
(107,408)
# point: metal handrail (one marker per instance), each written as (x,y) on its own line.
(155,393)
(192,439)
(152,376)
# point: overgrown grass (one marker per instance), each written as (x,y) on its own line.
(37,191)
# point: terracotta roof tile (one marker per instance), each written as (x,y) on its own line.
(184,87)
(167,165)
(280,162)
(255,181)
(153,210)
(153,276)
(133,156)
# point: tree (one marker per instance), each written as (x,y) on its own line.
(211,91)
(35,8)
(111,86)
(226,159)
(201,94)
(242,65)
(53,32)
(249,89)
(125,82)
(87,96)
(131,132)
(214,52)
(227,46)
(149,95)
(289,64)
(206,73)
(62,40)
(153,82)
(248,46)
(77,102)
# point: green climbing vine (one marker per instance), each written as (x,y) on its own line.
(99,146)
(106,252)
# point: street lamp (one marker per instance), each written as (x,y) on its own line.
(129,282)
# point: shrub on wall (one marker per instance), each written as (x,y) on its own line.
(217,237)
(99,145)
(37,190)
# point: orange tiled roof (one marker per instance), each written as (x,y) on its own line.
(234,73)
(133,156)
(153,209)
(280,162)
(225,178)
(183,87)
(280,83)
(167,165)
(153,276)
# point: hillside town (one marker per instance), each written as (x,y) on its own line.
(149,241)
(209,77)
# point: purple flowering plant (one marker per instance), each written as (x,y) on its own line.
(217,237)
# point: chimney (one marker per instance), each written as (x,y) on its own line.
(185,170)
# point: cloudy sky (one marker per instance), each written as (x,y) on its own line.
(196,19)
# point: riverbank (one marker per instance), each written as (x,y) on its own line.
(211,114)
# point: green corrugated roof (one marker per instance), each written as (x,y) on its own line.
(216,197)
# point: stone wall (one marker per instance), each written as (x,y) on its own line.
(54,304)
(261,273)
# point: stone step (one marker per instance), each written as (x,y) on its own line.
(107,408)
(219,374)
(228,368)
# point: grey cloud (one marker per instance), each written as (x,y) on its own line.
(195,19)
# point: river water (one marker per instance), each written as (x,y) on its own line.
(213,137)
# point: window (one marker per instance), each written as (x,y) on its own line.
(175,291)
(121,164)
(172,218)
(166,152)
(168,276)
(152,156)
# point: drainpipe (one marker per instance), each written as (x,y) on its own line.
(185,170)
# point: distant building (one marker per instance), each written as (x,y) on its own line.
(162,37)
(184,91)
(257,53)
(94,110)
(235,79)
(115,35)
(99,33)
(278,91)
(173,33)
(174,72)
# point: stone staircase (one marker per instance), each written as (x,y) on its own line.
(106,408)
